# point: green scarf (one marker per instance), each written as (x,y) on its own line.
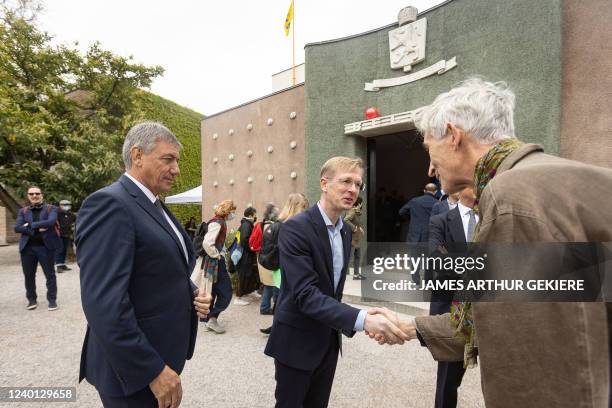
(461,312)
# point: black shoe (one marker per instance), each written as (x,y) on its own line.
(268,312)
(359,277)
(32,305)
(66,268)
(59,269)
(267,330)
(52,305)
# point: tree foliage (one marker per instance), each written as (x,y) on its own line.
(185,124)
(63,115)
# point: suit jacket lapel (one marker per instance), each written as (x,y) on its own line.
(179,227)
(322,234)
(143,201)
(455,225)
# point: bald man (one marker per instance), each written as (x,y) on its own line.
(419,210)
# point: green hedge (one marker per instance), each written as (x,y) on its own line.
(185,124)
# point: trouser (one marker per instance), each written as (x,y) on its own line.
(449,375)
(356,259)
(30,257)
(269,293)
(448,381)
(142,399)
(308,389)
(248,279)
(60,253)
(221,292)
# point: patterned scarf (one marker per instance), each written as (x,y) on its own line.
(461,312)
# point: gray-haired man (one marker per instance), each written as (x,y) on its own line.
(135,261)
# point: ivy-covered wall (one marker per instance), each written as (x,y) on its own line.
(185,124)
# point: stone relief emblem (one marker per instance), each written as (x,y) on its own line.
(407,45)
(407,48)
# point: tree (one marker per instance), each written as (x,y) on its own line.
(63,115)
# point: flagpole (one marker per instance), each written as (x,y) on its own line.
(293,47)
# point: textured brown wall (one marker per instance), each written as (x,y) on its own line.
(280,163)
(586,116)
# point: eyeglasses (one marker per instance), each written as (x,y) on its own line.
(34,193)
(347,183)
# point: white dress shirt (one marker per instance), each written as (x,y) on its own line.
(152,198)
(465,217)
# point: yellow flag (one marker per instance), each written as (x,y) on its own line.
(289,19)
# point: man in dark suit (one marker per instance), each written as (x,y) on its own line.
(38,243)
(310,318)
(419,211)
(448,233)
(135,260)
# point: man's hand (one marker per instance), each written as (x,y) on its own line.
(379,323)
(202,303)
(407,326)
(167,388)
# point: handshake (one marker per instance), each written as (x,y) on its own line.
(384,326)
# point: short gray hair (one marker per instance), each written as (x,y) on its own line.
(484,110)
(145,136)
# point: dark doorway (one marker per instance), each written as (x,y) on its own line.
(397,172)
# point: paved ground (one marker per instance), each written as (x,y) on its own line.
(42,348)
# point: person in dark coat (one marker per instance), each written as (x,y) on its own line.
(419,210)
(248,275)
(66,220)
(38,243)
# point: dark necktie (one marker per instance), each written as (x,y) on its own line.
(160,208)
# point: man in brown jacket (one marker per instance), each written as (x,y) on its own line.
(530,354)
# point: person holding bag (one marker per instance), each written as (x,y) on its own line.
(213,265)
(268,256)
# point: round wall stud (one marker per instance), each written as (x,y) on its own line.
(270,177)
(249,153)
(215,184)
(250,127)
(231,132)
(270,149)
(231,157)
(231,182)
(215,160)
(270,121)
(292,115)
(293,175)
(215,136)
(249,179)
(293,144)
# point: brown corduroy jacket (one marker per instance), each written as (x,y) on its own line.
(538,354)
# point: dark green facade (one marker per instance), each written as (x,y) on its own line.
(516,41)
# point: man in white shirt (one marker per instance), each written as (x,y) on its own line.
(135,260)
(445,231)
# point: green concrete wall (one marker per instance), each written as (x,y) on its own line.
(516,41)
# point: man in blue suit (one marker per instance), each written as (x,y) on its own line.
(39,240)
(135,261)
(310,318)
(448,233)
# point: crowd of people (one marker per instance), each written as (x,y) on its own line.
(142,307)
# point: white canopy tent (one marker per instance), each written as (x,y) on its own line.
(193,196)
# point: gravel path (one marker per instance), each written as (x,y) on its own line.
(42,348)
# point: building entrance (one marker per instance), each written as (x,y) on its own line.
(397,171)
